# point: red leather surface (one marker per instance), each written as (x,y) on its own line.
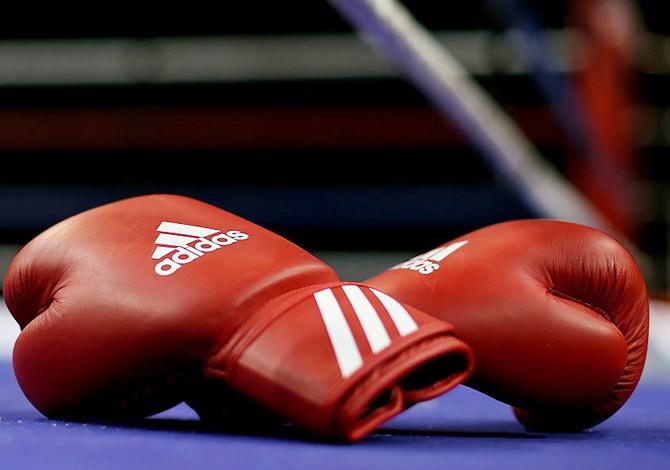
(300,375)
(110,331)
(557,314)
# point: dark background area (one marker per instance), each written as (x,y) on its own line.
(355,162)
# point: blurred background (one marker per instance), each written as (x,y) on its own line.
(280,113)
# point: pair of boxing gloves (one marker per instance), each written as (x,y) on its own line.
(132,307)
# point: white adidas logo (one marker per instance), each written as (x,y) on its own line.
(187,243)
(346,350)
(427,263)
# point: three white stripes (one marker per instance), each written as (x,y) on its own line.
(341,337)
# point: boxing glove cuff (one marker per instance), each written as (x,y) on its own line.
(340,359)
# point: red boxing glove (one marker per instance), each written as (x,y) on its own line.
(557,314)
(132,307)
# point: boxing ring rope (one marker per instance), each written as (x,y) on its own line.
(415,53)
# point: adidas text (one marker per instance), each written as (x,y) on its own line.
(180,244)
(429,262)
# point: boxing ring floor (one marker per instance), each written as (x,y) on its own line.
(462,429)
